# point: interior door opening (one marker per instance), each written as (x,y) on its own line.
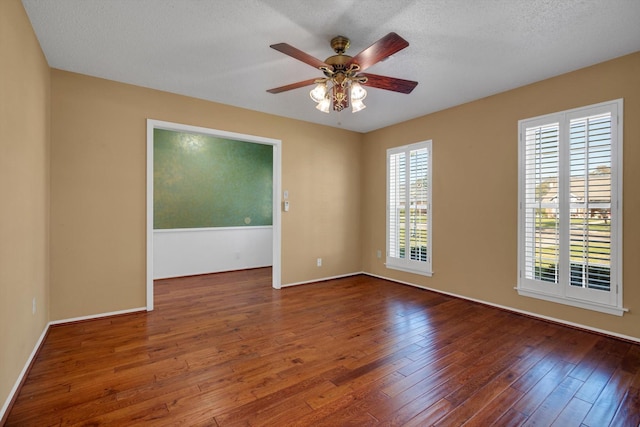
(238,233)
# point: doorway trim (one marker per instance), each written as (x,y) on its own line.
(277,191)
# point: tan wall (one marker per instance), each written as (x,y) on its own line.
(24,171)
(98,190)
(475,174)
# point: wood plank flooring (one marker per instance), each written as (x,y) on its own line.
(228,350)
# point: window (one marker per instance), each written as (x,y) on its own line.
(570,207)
(409,208)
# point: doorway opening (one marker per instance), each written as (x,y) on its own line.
(152,126)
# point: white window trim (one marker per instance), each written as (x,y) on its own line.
(416,267)
(561,295)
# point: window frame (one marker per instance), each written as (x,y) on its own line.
(404,264)
(563,292)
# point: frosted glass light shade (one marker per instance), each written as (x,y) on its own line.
(319,92)
(324,105)
(357,105)
(357,92)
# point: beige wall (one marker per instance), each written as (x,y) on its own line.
(24,194)
(98,190)
(475,174)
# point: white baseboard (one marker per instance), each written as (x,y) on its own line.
(16,385)
(515,310)
(324,279)
(38,344)
(97,316)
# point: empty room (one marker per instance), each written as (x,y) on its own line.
(272,213)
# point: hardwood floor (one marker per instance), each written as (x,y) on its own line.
(228,350)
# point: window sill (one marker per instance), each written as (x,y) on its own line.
(617,311)
(409,270)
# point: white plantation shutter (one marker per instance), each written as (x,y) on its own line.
(418,223)
(590,204)
(541,204)
(570,217)
(408,208)
(397,193)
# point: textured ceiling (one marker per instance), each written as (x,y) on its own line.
(460,50)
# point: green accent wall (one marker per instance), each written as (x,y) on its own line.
(202,181)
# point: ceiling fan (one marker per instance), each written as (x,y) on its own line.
(344,79)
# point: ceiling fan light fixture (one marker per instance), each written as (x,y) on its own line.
(319,93)
(339,96)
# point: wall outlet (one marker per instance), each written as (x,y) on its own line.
(33,306)
(379,253)
(319,262)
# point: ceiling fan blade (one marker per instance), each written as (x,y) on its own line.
(292,86)
(389,83)
(383,48)
(293,52)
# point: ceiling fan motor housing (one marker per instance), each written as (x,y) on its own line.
(340,62)
(340,44)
